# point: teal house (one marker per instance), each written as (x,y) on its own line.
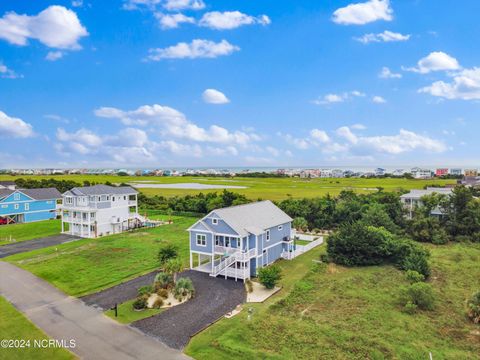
(28,205)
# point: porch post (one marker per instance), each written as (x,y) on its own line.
(191,260)
(63,227)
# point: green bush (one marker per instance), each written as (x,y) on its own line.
(410,308)
(412,256)
(414,276)
(358,244)
(163,281)
(183,288)
(473,308)
(269,276)
(145,290)
(140,303)
(428,229)
(420,294)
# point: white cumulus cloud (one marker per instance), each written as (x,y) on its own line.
(386,73)
(184,5)
(198,48)
(435,61)
(55,27)
(7,73)
(465,85)
(54,55)
(212,96)
(363,13)
(230,20)
(386,36)
(378,99)
(172,21)
(14,127)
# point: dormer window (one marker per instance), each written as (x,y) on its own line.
(268,235)
(215,221)
(16,196)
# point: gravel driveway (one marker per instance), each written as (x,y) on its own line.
(29,245)
(214,297)
(120,293)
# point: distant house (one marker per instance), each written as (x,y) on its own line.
(413,199)
(471,172)
(441,172)
(236,241)
(99,210)
(380,172)
(9,185)
(456,171)
(470,181)
(419,173)
(28,205)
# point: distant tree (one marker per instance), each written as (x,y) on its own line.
(300,223)
(426,228)
(375,215)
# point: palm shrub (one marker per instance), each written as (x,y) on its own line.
(163,281)
(166,252)
(473,308)
(183,288)
(269,276)
(173,266)
(145,290)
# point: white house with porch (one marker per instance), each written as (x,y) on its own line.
(236,241)
(99,210)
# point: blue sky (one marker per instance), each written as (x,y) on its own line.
(164,83)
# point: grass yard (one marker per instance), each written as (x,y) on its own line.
(89,265)
(29,231)
(127,315)
(332,312)
(264,188)
(14,325)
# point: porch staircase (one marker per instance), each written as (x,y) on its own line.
(225,263)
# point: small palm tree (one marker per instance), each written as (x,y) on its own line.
(173,266)
(183,288)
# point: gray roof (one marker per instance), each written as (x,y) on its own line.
(253,218)
(7,183)
(5,192)
(101,190)
(42,194)
(417,194)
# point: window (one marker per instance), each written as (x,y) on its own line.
(227,241)
(280,227)
(16,206)
(27,206)
(124,198)
(16,196)
(92,215)
(113,198)
(268,235)
(201,240)
(214,221)
(68,200)
(217,240)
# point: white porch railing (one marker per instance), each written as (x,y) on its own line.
(225,250)
(238,273)
(223,264)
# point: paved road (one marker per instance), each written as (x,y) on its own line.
(63,318)
(29,245)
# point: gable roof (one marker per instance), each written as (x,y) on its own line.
(253,218)
(101,190)
(42,194)
(417,194)
(5,193)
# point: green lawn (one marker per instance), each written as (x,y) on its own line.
(353,313)
(14,325)
(127,315)
(268,188)
(29,231)
(89,265)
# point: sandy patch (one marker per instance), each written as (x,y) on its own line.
(169,302)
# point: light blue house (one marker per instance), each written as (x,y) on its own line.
(28,205)
(236,241)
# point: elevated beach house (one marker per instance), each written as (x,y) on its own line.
(236,241)
(27,205)
(99,210)
(413,199)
